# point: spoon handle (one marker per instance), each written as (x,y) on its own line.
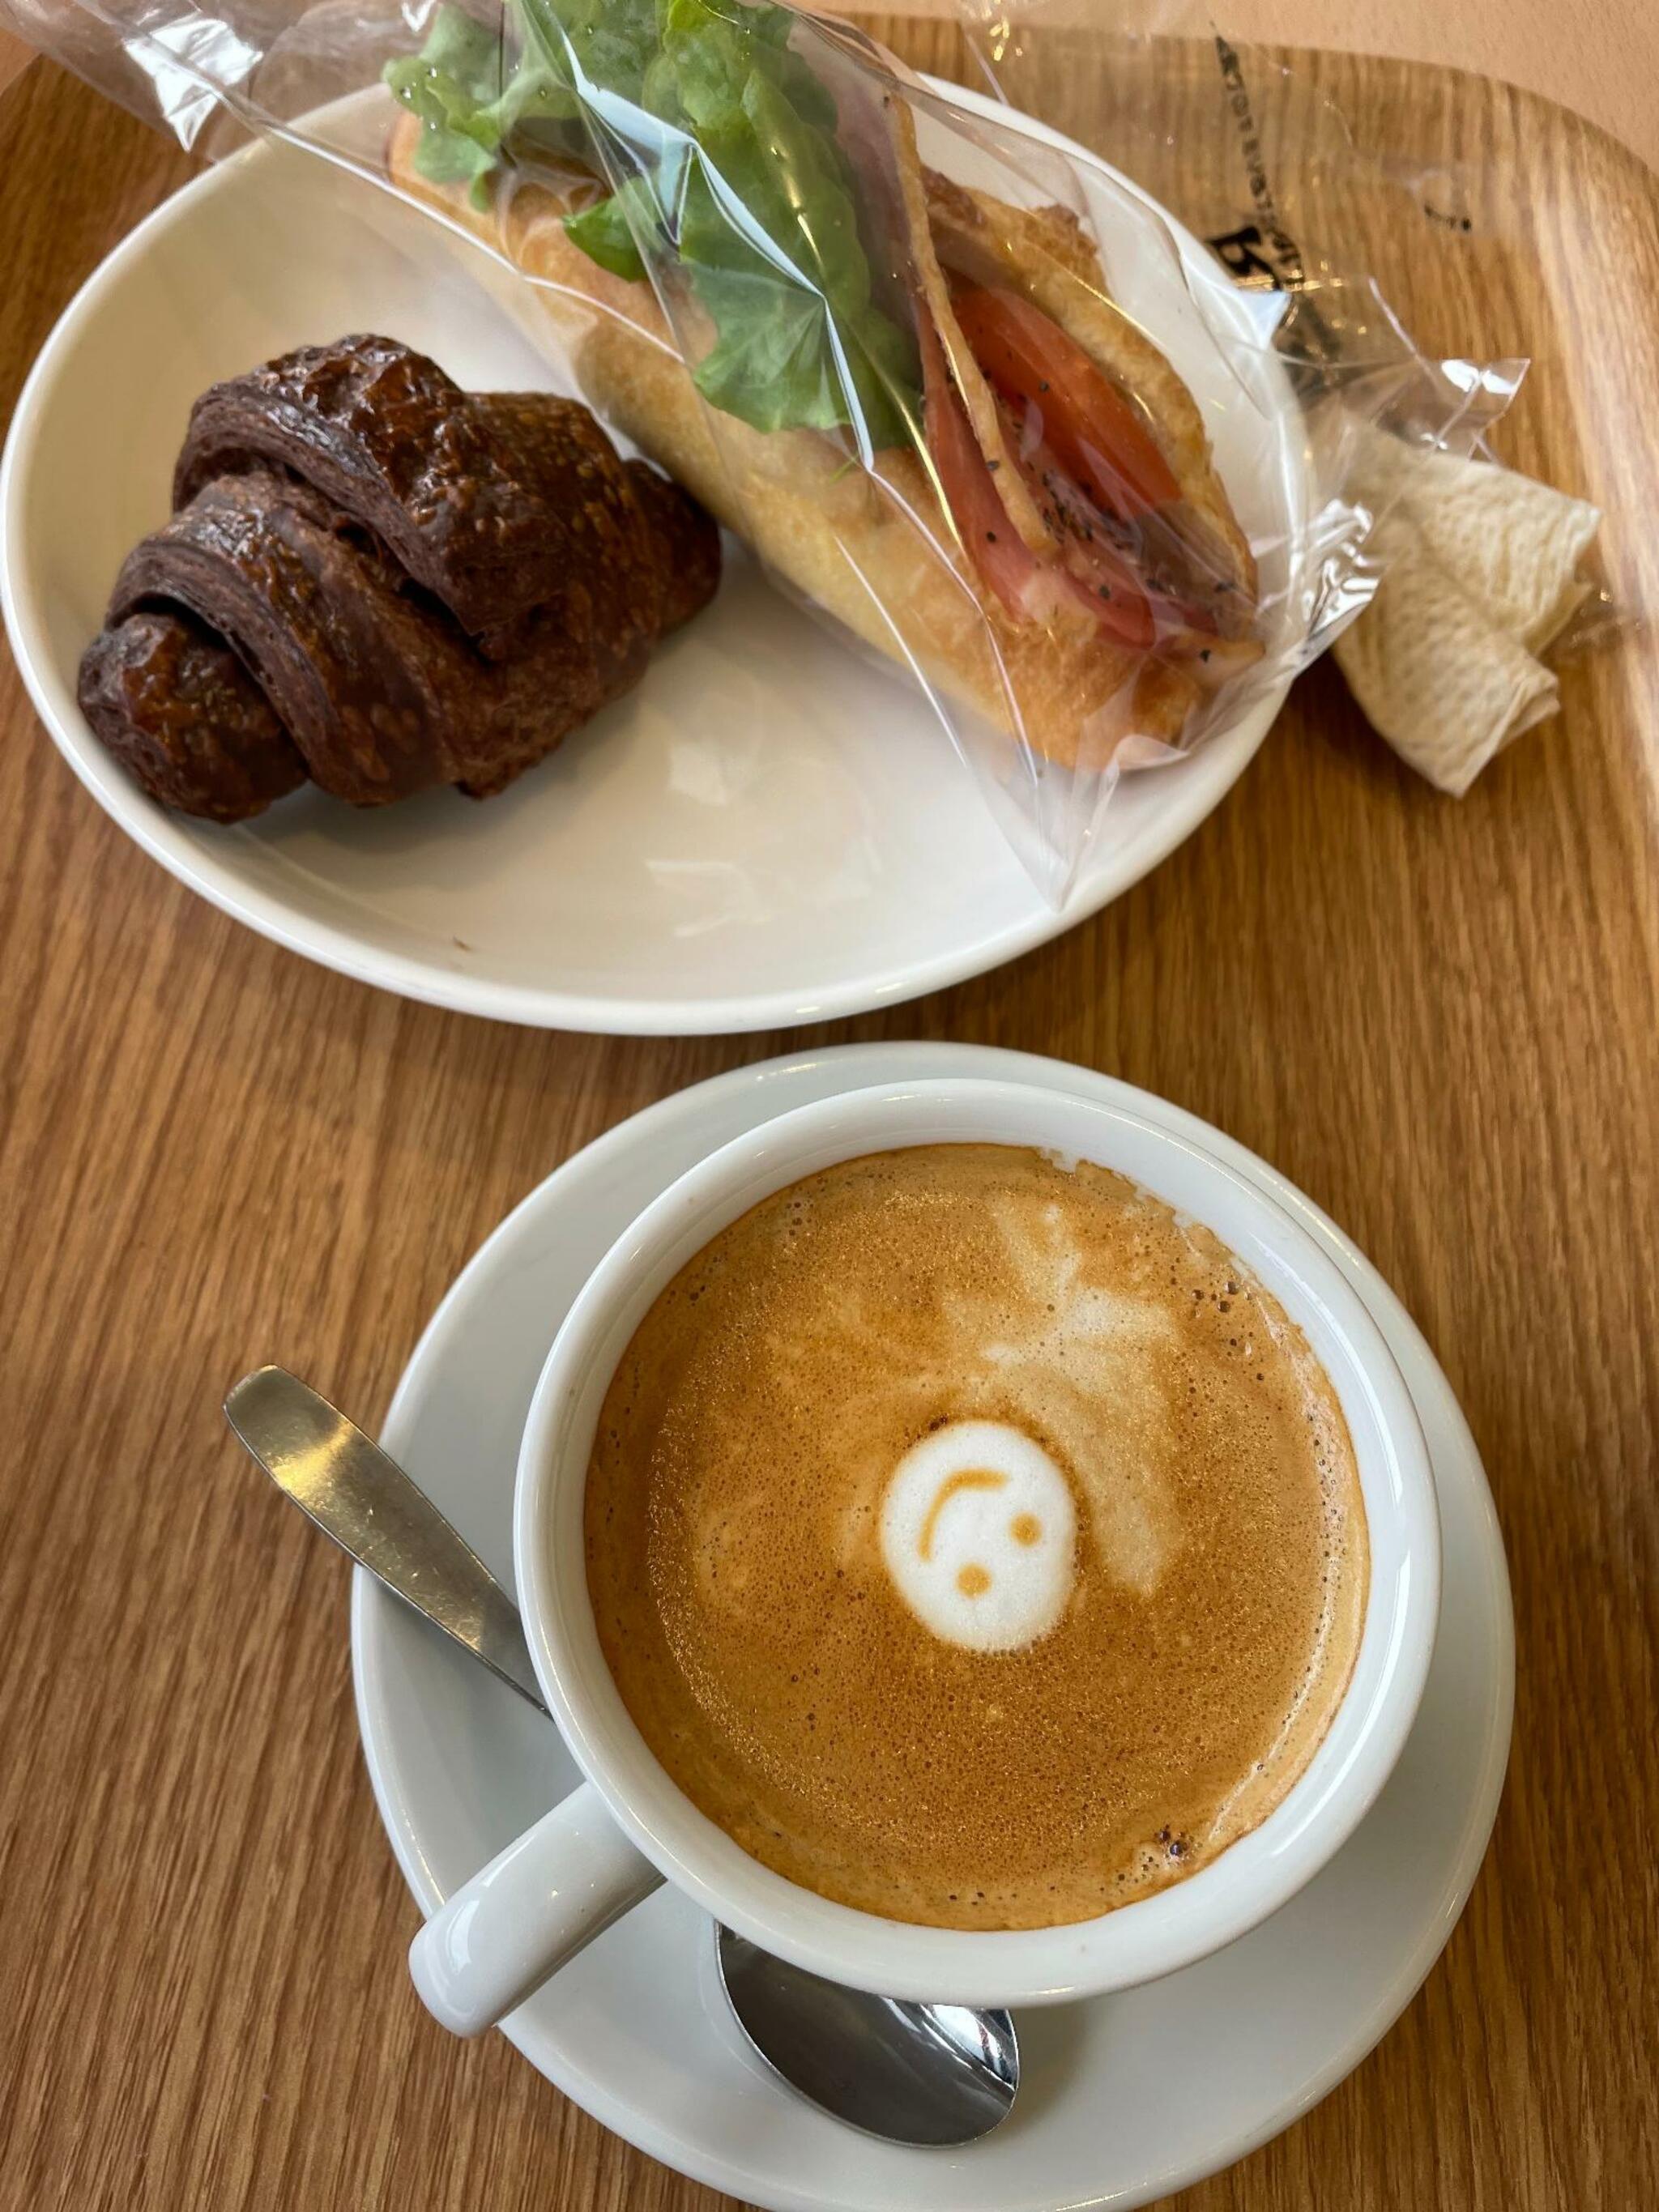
(360,1497)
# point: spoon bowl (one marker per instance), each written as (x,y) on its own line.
(934,2076)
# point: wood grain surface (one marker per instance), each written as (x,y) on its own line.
(1441,1019)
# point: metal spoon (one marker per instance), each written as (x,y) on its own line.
(913,2072)
(360,1497)
(926,2074)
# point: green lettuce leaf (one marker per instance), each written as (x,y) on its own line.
(609,231)
(744,182)
(451,85)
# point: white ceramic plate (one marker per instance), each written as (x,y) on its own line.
(768,830)
(1124,2098)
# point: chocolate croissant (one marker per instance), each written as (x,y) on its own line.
(180,713)
(386,583)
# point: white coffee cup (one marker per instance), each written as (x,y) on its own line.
(629,1827)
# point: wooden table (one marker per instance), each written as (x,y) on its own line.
(1441,1019)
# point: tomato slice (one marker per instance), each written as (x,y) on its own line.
(996,548)
(1033,589)
(1098,435)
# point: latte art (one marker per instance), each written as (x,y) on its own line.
(973,1541)
(978,1532)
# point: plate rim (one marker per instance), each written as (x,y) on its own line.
(370,1608)
(1209,775)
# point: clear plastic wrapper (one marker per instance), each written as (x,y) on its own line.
(979,399)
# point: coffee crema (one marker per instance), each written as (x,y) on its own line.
(973,1540)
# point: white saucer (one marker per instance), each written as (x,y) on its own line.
(769,831)
(1124,2098)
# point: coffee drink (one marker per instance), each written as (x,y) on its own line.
(973,1540)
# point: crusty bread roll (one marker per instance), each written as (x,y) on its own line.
(876,548)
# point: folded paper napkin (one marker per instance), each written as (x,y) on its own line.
(1480,571)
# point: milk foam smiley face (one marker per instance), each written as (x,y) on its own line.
(978,1533)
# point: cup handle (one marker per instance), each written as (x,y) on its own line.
(534,1906)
